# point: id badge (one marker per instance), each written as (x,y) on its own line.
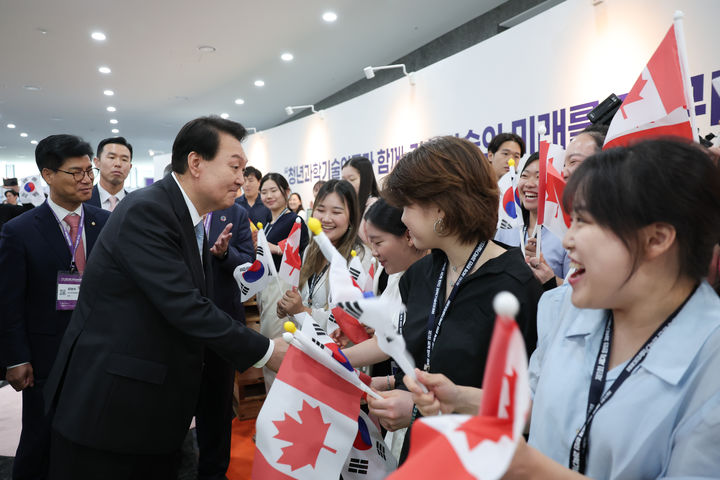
(68,289)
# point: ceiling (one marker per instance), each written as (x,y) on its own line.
(160,77)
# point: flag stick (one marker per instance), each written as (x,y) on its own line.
(682,53)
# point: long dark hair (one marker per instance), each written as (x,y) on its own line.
(300,207)
(314,258)
(368,184)
(279,180)
(627,188)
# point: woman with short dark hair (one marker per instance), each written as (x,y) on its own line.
(449,197)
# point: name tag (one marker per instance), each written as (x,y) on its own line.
(68,289)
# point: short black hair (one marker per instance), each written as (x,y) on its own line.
(11,191)
(252,172)
(52,151)
(386,217)
(279,180)
(501,138)
(598,132)
(627,188)
(202,136)
(117,140)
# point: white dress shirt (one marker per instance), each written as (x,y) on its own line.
(105,197)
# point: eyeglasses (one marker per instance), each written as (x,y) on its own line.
(78,176)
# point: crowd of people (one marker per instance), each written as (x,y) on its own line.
(123,320)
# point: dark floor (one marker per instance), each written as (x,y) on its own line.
(187,470)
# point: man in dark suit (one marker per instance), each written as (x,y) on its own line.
(213,417)
(113,162)
(35,248)
(127,378)
(250,199)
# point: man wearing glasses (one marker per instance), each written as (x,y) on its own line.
(113,163)
(42,257)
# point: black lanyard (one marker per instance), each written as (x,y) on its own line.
(596,397)
(433,324)
(313,282)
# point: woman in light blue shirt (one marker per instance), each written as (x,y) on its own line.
(625,376)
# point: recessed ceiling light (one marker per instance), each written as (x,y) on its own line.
(34,142)
(206,48)
(225,115)
(239,101)
(23,134)
(113,121)
(287,56)
(109,93)
(11,125)
(99,36)
(151,152)
(111,109)
(32,88)
(42,30)
(329,16)
(104,70)
(115,130)
(259,83)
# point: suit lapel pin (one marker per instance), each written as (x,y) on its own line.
(92,223)
(223,218)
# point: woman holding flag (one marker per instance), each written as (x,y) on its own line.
(625,376)
(450,200)
(274,191)
(554,256)
(337,210)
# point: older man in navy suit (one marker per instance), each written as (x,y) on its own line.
(213,417)
(42,253)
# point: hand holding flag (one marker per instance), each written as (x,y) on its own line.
(253,277)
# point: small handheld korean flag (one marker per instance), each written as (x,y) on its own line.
(31,190)
(481,446)
(252,277)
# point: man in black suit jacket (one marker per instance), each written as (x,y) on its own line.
(34,248)
(113,163)
(213,417)
(126,381)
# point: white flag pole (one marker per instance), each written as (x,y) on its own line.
(682,53)
(538,228)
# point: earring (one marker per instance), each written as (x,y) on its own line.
(439,227)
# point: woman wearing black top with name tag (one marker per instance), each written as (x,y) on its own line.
(449,197)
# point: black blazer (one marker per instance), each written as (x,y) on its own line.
(240,250)
(32,251)
(127,376)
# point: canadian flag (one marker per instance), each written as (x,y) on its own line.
(482,446)
(550,190)
(307,424)
(656,105)
(252,277)
(291,261)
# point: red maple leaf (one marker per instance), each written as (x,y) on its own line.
(634,95)
(555,188)
(307,437)
(292,257)
(481,428)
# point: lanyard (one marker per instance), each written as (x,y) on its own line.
(313,282)
(272,224)
(433,324)
(206,223)
(596,397)
(66,234)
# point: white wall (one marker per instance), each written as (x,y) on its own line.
(545,69)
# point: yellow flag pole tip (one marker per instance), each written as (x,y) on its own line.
(259,225)
(289,327)
(314,225)
(353,253)
(288,337)
(511,162)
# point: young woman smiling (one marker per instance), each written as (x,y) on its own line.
(336,208)
(554,256)
(625,377)
(450,202)
(359,172)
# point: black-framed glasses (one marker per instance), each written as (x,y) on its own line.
(78,176)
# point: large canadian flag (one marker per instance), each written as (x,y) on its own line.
(550,190)
(308,422)
(656,105)
(482,446)
(291,261)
